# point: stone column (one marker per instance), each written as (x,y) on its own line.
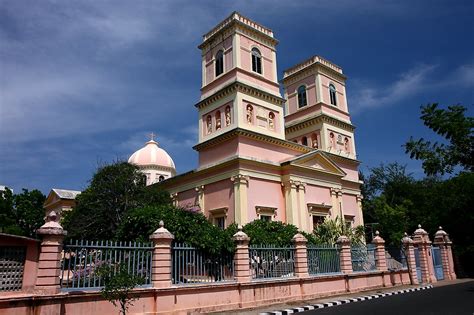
(345,258)
(302,209)
(161,260)
(241,256)
(441,239)
(49,263)
(410,257)
(336,199)
(301,256)
(360,215)
(380,257)
(241,183)
(422,241)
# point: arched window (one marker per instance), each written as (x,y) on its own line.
(256,61)
(218,120)
(209,124)
(161,178)
(219,63)
(249,114)
(271,120)
(332,94)
(304,141)
(302,100)
(314,141)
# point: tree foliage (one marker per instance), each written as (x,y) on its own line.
(113,190)
(21,214)
(331,229)
(457,129)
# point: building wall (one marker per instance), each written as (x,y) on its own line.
(265,193)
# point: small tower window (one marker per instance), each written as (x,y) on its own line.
(304,141)
(302,100)
(332,94)
(249,114)
(256,61)
(219,63)
(161,178)
(218,120)
(271,120)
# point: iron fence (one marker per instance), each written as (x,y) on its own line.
(363,258)
(396,259)
(190,266)
(323,259)
(272,262)
(81,261)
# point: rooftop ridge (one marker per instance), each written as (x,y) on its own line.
(310,61)
(237,17)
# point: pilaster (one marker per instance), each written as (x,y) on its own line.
(161,260)
(301,256)
(441,239)
(409,249)
(200,198)
(241,183)
(336,198)
(241,256)
(380,257)
(291,201)
(345,254)
(302,209)
(360,216)
(422,241)
(49,262)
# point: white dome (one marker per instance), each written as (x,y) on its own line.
(153,156)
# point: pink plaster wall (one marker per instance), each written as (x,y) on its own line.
(226,45)
(264,151)
(318,194)
(219,195)
(351,171)
(246,45)
(272,197)
(213,115)
(218,153)
(258,80)
(187,198)
(349,205)
(265,112)
(309,82)
(341,102)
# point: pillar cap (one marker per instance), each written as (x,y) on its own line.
(161,233)
(378,239)
(299,239)
(407,239)
(441,236)
(420,231)
(240,235)
(52,226)
(343,240)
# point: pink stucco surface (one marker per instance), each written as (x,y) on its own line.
(201,298)
(264,150)
(257,79)
(349,204)
(220,195)
(187,198)
(218,153)
(341,103)
(318,194)
(351,171)
(246,45)
(273,198)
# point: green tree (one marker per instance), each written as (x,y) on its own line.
(118,286)
(23,213)
(331,229)
(113,190)
(457,129)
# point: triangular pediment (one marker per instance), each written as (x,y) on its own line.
(316,160)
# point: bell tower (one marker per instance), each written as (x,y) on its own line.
(316,109)
(240,88)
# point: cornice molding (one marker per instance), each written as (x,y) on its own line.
(319,118)
(157,167)
(313,69)
(237,86)
(252,135)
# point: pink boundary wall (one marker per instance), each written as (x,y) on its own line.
(204,298)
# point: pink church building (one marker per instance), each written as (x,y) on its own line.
(289,158)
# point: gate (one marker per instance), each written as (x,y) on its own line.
(418,264)
(437,262)
(12,263)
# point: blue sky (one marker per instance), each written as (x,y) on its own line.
(84,82)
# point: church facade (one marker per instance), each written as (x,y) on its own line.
(289,158)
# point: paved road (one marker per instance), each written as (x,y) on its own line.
(455,299)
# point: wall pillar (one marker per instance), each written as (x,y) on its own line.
(423,243)
(345,256)
(241,183)
(441,239)
(302,209)
(360,215)
(336,198)
(380,257)
(409,249)
(291,202)
(200,198)
(241,257)
(49,262)
(301,256)
(161,260)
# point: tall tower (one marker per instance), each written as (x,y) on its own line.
(316,109)
(240,89)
